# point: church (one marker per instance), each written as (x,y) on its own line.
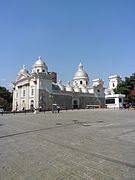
(40,89)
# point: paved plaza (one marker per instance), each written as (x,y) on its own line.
(73,145)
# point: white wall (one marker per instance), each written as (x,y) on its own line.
(114,81)
(77,82)
(117,104)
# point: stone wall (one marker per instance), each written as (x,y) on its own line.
(86,100)
(66,100)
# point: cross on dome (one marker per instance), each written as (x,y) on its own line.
(23,66)
(80,66)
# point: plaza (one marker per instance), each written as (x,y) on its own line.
(90,144)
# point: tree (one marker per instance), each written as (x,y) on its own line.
(5,98)
(126,87)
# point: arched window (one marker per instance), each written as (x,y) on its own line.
(23,105)
(32,90)
(23,93)
(80,82)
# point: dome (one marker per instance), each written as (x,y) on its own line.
(39,66)
(40,63)
(80,73)
(24,71)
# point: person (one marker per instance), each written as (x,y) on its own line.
(127,106)
(35,111)
(58,109)
(25,111)
(40,108)
(124,105)
(14,111)
(32,108)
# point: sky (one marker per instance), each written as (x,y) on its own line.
(98,33)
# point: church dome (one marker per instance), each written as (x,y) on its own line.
(24,71)
(39,66)
(40,63)
(80,73)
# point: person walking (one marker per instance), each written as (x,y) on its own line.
(58,109)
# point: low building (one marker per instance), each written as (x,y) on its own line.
(40,89)
(114,101)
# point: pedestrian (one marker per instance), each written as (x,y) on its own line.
(58,109)
(40,108)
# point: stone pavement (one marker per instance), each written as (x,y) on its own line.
(72,145)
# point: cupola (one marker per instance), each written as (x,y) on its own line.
(39,66)
(80,77)
(23,73)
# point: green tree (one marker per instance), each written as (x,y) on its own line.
(126,87)
(5,98)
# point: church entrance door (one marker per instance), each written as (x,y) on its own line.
(75,103)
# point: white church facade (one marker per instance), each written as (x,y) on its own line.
(40,89)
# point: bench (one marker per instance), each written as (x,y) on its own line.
(92,106)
